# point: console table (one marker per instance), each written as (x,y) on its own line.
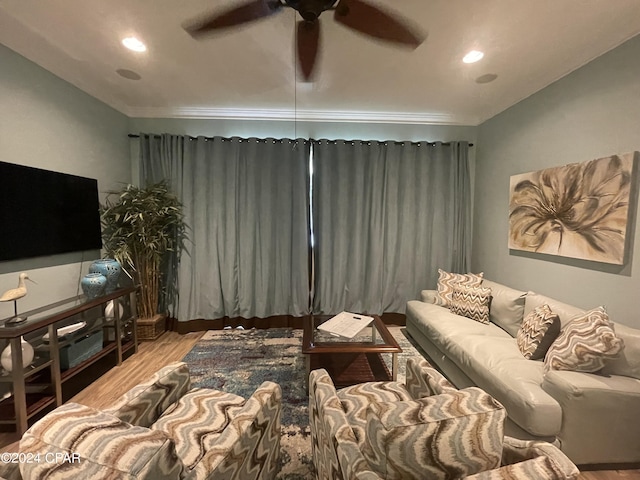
(108,323)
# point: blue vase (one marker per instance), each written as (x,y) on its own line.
(93,284)
(110,268)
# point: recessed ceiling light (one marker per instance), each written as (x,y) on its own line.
(473,56)
(132,43)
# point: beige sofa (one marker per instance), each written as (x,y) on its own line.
(592,417)
(160,429)
(424,428)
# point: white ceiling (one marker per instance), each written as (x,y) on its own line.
(250,72)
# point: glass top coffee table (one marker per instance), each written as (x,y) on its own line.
(350,360)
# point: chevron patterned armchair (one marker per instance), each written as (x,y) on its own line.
(161,429)
(425,428)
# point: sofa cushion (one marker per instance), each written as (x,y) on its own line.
(105,446)
(440,322)
(565,311)
(627,363)
(443,436)
(471,302)
(197,420)
(497,366)
(447,280)
(507,306)
(538,331)
(584,344)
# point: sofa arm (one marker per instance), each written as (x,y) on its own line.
(428,296)
(335,450)
(515,451)
(530,460)
(249,447)
(74,441)
(423,380)
(597,415)
(539,468)
(144,403)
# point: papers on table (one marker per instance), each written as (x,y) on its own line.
(346,324)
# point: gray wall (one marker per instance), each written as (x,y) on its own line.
(47,123)
(592,113)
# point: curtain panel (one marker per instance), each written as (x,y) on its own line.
(246,202)
(386,216)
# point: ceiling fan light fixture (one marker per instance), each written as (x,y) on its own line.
(132,43)
(473,56)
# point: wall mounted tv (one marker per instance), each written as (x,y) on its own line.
(46,213)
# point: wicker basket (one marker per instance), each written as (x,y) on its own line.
(151,328)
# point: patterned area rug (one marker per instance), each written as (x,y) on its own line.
(238,361)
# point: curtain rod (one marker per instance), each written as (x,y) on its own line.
(135,135)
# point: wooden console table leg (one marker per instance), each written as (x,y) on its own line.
(54,354)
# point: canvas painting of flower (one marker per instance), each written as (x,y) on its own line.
(579,210)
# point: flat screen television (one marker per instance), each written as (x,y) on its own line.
(46,213)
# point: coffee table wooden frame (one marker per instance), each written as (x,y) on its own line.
(348,362)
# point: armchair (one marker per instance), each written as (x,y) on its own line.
(161,429)
(426,428)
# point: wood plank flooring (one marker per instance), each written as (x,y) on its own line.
(171,347)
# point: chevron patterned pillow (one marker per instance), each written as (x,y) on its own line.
(471,302)
(446,282)
(538,331)
(451,435)
(584,344)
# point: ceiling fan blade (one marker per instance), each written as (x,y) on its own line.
(245,13)
(308,43)
(372,21)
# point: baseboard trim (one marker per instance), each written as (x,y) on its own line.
(279,321)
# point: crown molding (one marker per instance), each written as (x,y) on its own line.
(297,115)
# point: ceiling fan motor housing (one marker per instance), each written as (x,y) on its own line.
(310,10)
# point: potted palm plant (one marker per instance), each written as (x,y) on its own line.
(144,229)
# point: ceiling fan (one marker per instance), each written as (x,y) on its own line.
(357,15)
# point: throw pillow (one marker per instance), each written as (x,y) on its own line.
(584,344)
(538,331)
(446,282)
(471,302)
(451,435)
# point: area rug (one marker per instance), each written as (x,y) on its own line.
(238,361)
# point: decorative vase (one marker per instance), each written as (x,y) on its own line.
(110,268)
(112,310)
(93,284)
(27,355)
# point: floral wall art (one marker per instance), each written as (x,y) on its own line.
(579,210)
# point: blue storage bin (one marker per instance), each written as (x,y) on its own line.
(84,348)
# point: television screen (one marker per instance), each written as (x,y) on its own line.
(46,213)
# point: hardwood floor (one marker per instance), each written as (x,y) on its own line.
(171,347)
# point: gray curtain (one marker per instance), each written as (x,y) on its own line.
(162,158)
(246,202)
(386,216)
